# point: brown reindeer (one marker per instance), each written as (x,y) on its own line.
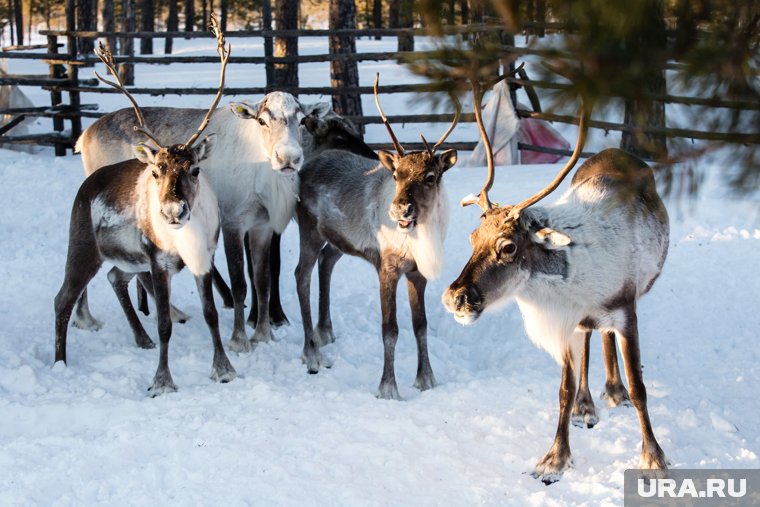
(156,213)
(577,265)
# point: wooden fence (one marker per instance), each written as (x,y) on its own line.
(62,80)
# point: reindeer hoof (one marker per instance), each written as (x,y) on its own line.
(550,469)
(584,413)
(88,323)
(425,382)
(323,336)
(388,392)
(653,458)
(262,336)
(278,322)
(145,343)
(616,396)
(162,384)
(223,375)
(240,344)
(314,361)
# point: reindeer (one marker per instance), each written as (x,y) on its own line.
(154,213)
(392,214)
(253,171)
(577,265)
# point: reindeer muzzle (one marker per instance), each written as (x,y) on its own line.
(176,214)
(464,302)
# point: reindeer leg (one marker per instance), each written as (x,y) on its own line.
(652,456)
(142,299)
(82,263)
(120,283)
(328,257)
(584,411)
(162,380)
(389,276)
(260,243)
(310,245)
(83,319)
(146,282)
(415,285)
(558,459)
(223,289)
(233,249)
(276,314)
(222,370)
(615,392)
(253,315)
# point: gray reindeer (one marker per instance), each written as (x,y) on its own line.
(392,214)
(156,213)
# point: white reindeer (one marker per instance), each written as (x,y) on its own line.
(392,214)
(155,213)
(253,170)
(579,264)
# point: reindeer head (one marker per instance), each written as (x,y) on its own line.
(335,133)
(279,116)
(506,252)
(417,174)
(175,172)
(174,168)
(510,245)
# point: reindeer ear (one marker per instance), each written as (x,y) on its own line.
(245,111)
(550,239)
(318,110)
(203,149)
(144,153)
(447,158)
(388,160)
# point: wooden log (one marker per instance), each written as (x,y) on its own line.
(15,121)
(56,72)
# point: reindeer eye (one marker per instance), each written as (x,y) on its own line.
(430,178)
(505,249)
(155,174)
(195,171)
(262,122)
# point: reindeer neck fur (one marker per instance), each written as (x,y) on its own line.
(424,245)
(195,242)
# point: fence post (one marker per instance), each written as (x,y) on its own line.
(56,72)
(73,71)
(266,19)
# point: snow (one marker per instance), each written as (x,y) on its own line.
(89,434)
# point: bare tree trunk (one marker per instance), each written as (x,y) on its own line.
(128,24)
(541,17)
(394,6)
(286,18)
(109,24)
(377,15)
(223,15)
(344,73)
(642,111)
(464,7)
(11,16)
(406,20)
(189,15)
(266,21)
(19,18)
(147,24)
(86,21)
(204,13)
(172,25)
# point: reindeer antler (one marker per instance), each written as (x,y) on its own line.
(224,55)
(482,199)
(396,144)
(454,122)
(582,129)
(107,58)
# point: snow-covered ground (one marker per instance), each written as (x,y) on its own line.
(89,434)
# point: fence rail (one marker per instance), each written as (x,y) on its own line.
(64,66)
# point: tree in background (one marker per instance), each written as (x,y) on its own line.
(172,25)
(87,19)
(18,18)
(286,18)
(128,24)
(344,73)
(109,24)
(147,24)
(189,15)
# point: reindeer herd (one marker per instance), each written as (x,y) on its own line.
(150,208)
